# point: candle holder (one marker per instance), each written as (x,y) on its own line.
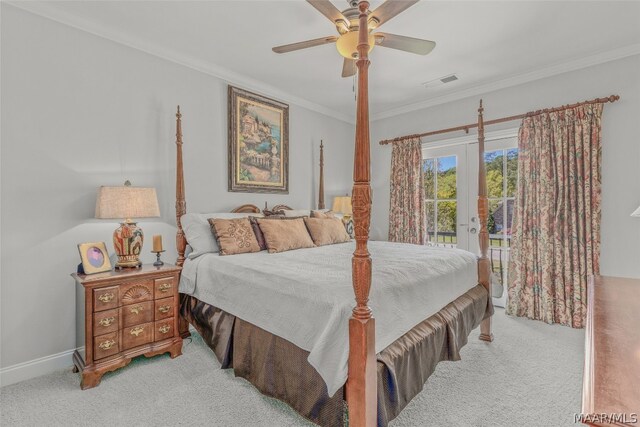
(158,262)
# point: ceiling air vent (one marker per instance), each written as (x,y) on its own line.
(441,80)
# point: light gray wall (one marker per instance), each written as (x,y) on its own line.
(78,112)
(620,141)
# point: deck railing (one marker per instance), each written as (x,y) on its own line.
(499,248)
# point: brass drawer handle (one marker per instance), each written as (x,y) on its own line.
(137,310)
(164,309)
(106,297)
(107,321)
(164,329)
(106,345)
(136,331)
(164,287)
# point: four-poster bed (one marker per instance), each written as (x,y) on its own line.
(379,381)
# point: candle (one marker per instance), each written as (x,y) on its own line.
(157,243)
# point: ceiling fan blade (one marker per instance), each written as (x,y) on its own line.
(305,44)
(327,8)
(388,10)
(349,67)
(408,44)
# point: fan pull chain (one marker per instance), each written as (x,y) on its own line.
(355,95)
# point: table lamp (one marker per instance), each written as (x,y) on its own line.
(342,204)
(124,203)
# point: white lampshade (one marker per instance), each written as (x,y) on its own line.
(127,202)
(342,204)
(636,213)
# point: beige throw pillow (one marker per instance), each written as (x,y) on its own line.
(235,236)
(327,231)
(285,234)
(322,214)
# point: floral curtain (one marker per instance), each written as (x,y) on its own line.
(406,212)
(556,225)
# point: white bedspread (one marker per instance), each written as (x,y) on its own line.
(305,296)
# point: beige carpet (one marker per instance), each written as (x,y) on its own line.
(529,376)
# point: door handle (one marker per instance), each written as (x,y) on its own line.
(473,230)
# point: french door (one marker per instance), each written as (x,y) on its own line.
(451,195)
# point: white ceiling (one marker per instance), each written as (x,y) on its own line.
(488,44)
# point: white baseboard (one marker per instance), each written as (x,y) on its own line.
(42,366)
(34,368)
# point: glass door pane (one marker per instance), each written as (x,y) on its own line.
(502,175)
(444,181)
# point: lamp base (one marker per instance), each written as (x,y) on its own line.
(128,261)
(127,241)
(348,225)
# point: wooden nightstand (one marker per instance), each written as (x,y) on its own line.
(123,314)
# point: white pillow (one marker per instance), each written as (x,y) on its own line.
(198,231)
(297,212)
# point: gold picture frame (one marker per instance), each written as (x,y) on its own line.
(258,143)
(94,256)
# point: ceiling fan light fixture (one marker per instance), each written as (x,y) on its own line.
(347,44)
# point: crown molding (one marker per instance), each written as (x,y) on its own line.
(46,10)
(49,11)
(518,79)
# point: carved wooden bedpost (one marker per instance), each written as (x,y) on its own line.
(361,383)
(181,209)
(181,204)
(321,185)
(484,263)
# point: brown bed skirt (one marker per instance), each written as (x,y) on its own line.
(280,369)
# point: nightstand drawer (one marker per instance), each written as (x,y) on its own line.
(105,298)
(135,314)
(163,329)
(105,321)
(133,336)
(163,308)
(164,287)
(138,291)
(105,345)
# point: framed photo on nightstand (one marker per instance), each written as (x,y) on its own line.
(95,258)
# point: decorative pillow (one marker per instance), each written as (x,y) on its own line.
(258,232)
(198,231)
(322,214)
(327,231)
(285,234)
(234,236)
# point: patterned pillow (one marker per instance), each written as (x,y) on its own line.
(235,236)
(285,234)
(327,231)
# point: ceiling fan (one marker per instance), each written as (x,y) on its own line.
(346,23)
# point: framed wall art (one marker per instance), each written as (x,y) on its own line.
(95,258)
(258,143)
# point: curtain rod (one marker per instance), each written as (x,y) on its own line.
(465,128)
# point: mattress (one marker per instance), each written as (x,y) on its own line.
(306,297)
